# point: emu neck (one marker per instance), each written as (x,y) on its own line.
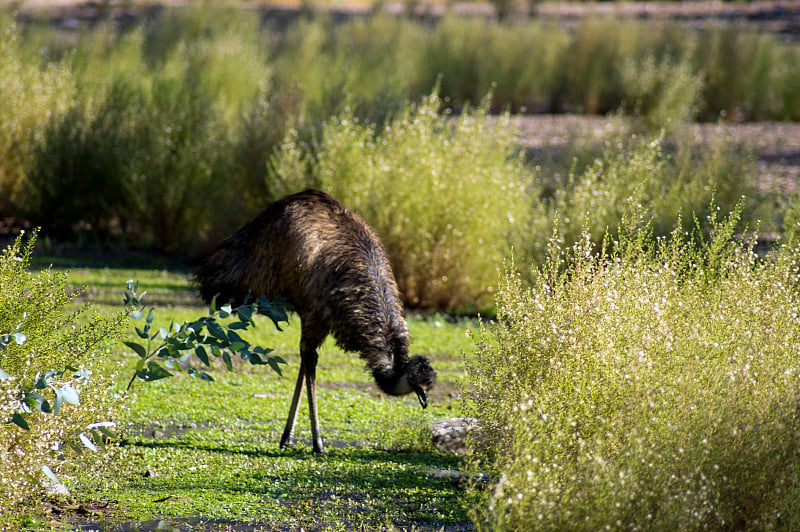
(393,379)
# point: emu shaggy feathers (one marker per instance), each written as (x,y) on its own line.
(332,267)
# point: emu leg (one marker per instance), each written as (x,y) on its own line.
(311,388)
(288,431)
(310,340)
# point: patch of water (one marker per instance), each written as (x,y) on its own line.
(174,525)
(267,432)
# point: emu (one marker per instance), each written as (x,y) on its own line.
(333,269)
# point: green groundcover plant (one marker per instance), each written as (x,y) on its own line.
(55,401)
(653,387)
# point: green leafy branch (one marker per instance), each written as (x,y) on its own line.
(172,348)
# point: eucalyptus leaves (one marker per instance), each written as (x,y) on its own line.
(171,349)
(162,352)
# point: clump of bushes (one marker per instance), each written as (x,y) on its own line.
(30,95)
(667,180)
(163,135)
(654,386)
(743,74)
(52,386)
(447,195)
(377,62)
(366,65)
(147,164)
(661,94)
(155,149)
(591,78)
(519,63)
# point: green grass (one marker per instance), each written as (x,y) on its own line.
(212,448)
(349,489)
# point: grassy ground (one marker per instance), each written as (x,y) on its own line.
(205,455)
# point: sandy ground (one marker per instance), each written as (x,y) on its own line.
(775,145)
(780,16)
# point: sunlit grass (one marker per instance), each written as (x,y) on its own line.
(212,447)
(245,483)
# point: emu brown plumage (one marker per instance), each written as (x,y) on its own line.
(332,267)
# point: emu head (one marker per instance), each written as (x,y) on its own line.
(420,377)
(408,375)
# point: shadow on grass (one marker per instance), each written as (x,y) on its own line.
(335,448)
(348,489)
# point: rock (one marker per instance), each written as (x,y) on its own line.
(55,489)
(454,435)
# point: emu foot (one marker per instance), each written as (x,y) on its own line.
(319,447)
(287,442)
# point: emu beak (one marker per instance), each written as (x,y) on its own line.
(423,398)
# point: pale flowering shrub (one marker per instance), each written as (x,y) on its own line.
(53,391)
(654,387)
(660,92)
(448,195)
(666,179)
